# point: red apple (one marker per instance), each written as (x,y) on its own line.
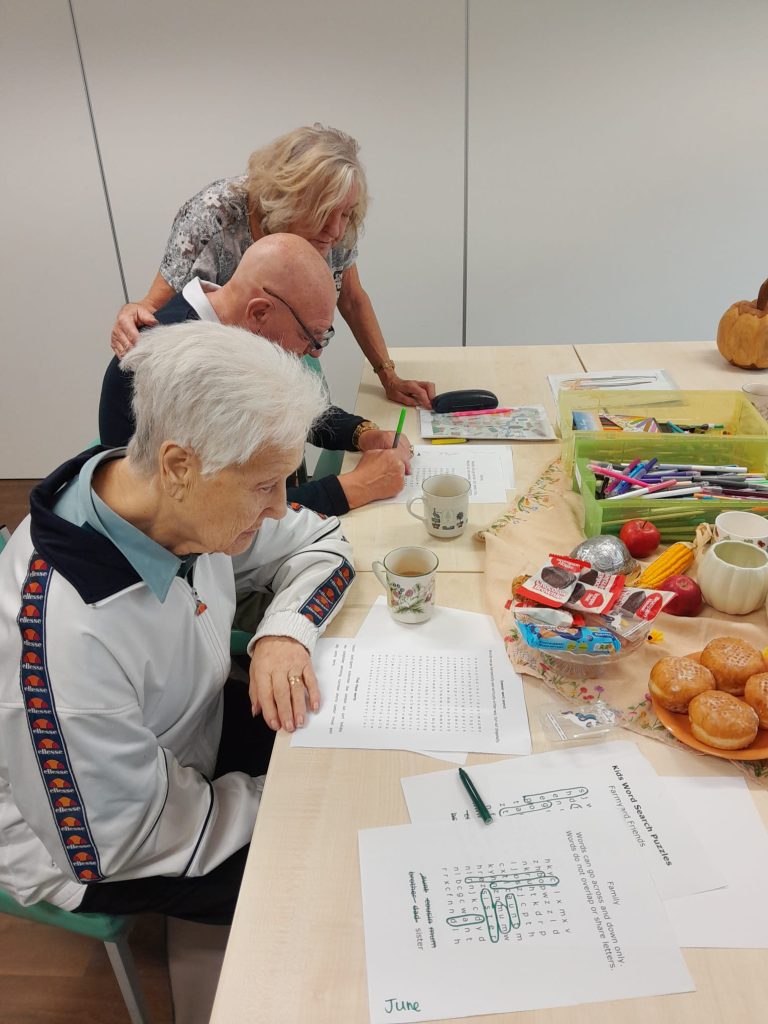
(687,600)
(640,536)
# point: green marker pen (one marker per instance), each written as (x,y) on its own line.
(475,797)
(399,430)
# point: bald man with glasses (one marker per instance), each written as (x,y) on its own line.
(283,291)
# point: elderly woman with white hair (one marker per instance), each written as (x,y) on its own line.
(310,183)
(129,764)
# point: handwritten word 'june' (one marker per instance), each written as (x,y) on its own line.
(390,1005)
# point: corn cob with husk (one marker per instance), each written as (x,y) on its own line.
(672,562)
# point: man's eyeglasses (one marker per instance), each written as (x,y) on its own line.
(318,344)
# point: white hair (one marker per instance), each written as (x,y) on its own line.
(220,391)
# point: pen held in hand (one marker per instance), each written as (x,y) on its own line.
(399,430)
(475,797)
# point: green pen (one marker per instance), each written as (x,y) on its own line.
(399,430)
(475,797)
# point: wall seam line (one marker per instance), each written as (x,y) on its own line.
(98,153)
(466,178)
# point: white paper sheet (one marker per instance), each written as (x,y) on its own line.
(454,756)
(448,627)
(725,818)
(489,470)
(623,380)
(618,781)
(388,698)
(525,914)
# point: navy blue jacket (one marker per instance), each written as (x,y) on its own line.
(334,432)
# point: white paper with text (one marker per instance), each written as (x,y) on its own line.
(528,913)
(488,469)
(468,699)
(620,783)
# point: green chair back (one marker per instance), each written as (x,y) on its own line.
(238,641)
(329,463)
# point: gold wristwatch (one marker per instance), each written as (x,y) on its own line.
(388,364)
(361,429)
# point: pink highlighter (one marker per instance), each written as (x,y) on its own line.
(481,412)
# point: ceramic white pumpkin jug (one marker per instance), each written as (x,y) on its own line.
(733,577)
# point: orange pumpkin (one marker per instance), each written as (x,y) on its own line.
(742,336)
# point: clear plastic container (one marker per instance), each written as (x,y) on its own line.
(572,725)
(584,665)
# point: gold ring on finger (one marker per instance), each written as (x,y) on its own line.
(293,680)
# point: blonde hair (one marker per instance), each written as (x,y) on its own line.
(303,176)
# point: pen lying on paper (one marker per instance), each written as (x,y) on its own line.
(475,797)
(480,412)
(596,383)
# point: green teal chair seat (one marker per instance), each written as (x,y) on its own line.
(111,930)
(96,926)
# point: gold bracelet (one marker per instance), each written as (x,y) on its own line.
(361,429)
(386,365)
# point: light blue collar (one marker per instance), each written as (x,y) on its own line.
(79,504)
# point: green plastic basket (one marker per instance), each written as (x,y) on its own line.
(677,519)
(737,414)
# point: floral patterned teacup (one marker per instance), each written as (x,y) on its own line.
(446,504)
(408,576)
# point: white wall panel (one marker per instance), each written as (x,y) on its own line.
(617,168)
(57,260)
(183,90)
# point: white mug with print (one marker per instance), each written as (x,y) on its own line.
(446,504)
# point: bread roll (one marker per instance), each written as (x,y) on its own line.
(732,661)
(675,682)
(756,695)
(722,720)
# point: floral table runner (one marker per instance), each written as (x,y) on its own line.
(549,518)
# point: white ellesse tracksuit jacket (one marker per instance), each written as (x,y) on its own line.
(111,702)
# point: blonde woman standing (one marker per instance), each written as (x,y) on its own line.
(310,183)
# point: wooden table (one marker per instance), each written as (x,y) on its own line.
(296,950)
(517,377)
(693,364)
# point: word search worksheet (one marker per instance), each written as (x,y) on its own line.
(385,698)
(529,913)
(614,778)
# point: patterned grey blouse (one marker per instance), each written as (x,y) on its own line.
(211,232)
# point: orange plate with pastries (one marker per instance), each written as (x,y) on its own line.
(680,727)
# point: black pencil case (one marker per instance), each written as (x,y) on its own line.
(464,401)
